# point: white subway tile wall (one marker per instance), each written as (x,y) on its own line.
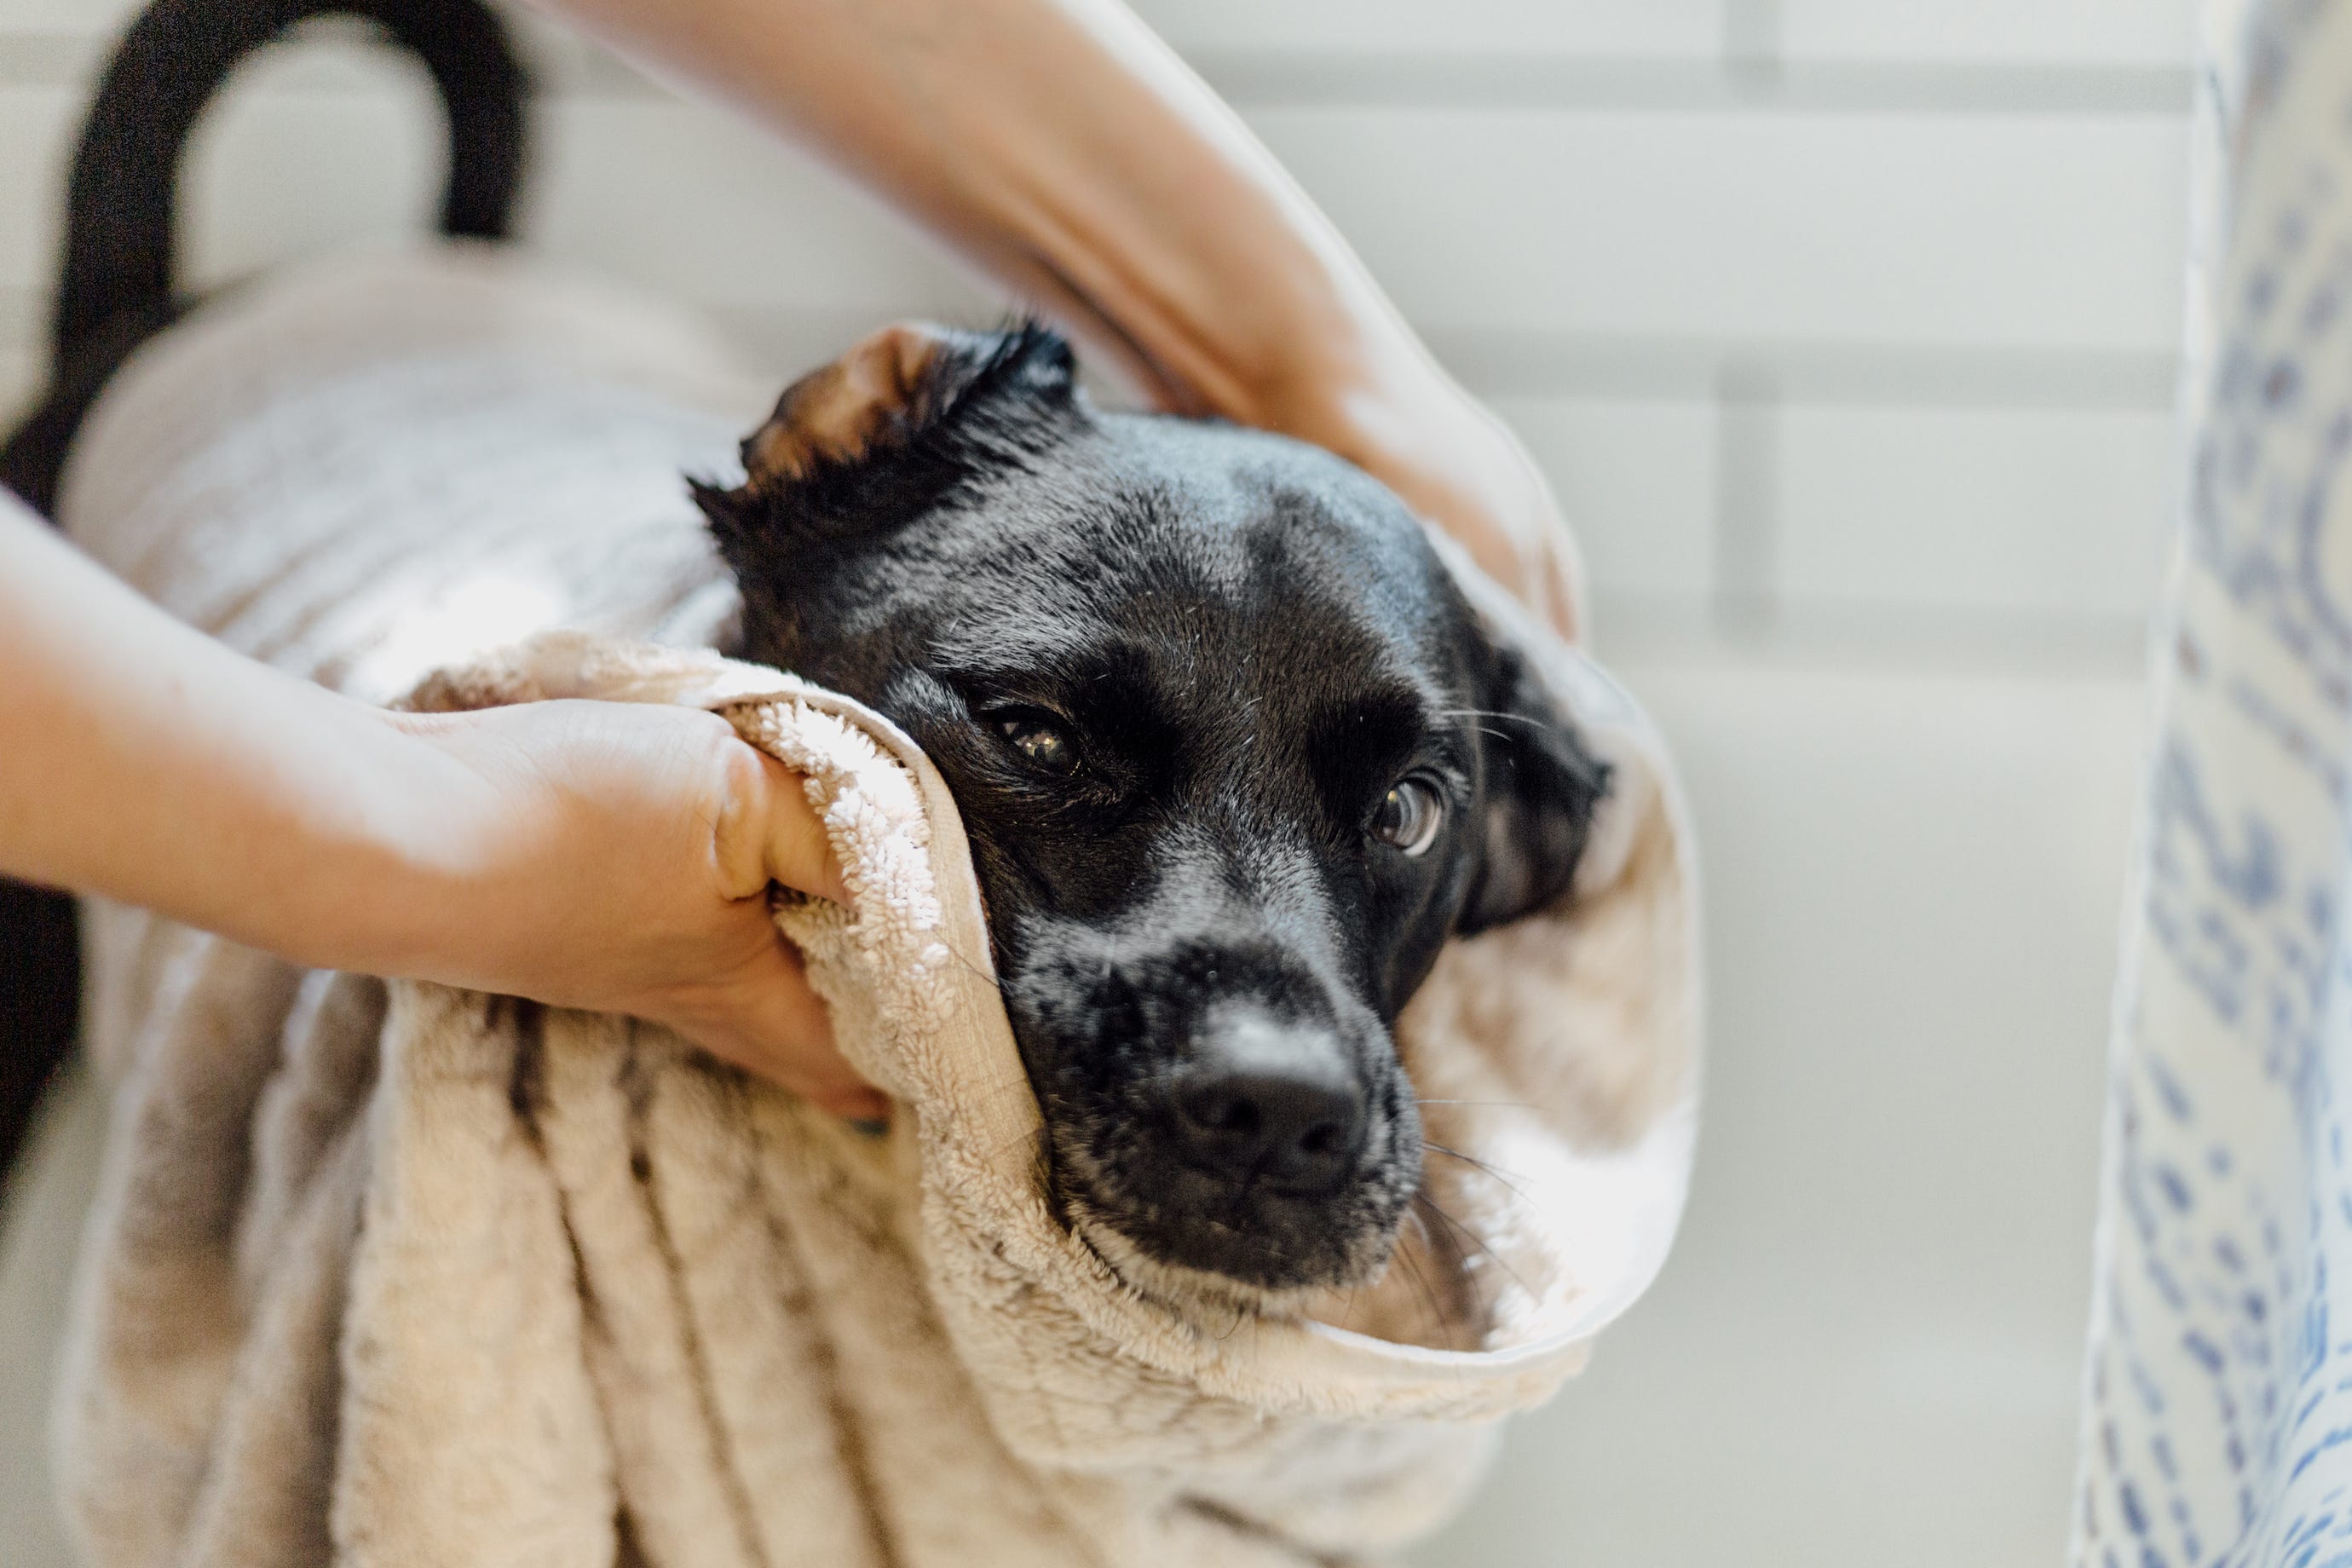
(1626,457)
(2004,32)
(36,126)
(1869,227)
(2041,511)
(1687,29)
(1645,228)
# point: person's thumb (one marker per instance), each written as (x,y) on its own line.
(768,831)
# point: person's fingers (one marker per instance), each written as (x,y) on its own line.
(797,852)
(767,831)
(765,1018)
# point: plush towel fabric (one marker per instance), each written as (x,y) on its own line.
(404,1275)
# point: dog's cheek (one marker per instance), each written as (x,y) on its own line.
(1049,1016)
(1364,1236)
(1069,1019)
(1540,788)
(1401,914)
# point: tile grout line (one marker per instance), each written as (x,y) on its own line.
(1745,392)
(1750,43)
(1568,367)
(1754,84)
(1749,73)
(1746,387)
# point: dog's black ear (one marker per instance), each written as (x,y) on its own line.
(890,429)
(1542,787)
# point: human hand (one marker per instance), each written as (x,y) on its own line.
(603,854)
(618,856)
(1068,152)
(1453,461)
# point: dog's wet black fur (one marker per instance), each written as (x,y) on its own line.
(1195,690)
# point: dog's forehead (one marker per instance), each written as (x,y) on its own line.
(1157,519)
(1224,482)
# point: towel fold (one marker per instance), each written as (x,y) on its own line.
(404,1275)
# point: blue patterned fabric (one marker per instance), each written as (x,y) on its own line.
(2219,1403)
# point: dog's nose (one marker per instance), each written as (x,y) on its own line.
(1280,1103)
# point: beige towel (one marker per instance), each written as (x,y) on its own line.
(404,1275)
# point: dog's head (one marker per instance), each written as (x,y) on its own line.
(1233,755)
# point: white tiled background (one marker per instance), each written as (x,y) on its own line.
(1846,330)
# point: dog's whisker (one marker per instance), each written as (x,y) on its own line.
(1443,1324)
(1504,1178)
(1429,1240)
(1419,1227)
(977,970)
(1488,713)
(1456,1262)
(1475,1240)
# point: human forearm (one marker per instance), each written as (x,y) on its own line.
(1061,147)
(147,763)
(611,855)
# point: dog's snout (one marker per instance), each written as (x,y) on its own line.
(1278,1103)
(1222,1106)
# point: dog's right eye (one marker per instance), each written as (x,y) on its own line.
(1040,744)
(1410,816)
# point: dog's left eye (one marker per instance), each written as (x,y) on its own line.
(1038,741)
(1410,816)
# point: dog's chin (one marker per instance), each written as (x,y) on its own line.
(1202,1263)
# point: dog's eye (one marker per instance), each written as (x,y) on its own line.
(1036,739)
(1411,816)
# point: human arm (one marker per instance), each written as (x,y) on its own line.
(1068,152)
(596,855)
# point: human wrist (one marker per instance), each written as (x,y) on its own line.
(390,865)
(1398,415)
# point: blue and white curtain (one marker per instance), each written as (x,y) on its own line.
(2218,1407)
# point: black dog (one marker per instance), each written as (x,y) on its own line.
(1234,756)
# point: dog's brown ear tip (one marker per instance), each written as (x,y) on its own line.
(773,455)
(913,346)
(840,411)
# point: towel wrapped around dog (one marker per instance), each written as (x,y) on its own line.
(403,1275)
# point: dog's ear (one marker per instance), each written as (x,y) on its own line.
(1542,787)
(868,399)
(908,415)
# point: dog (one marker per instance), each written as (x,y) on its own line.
(1235,754)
